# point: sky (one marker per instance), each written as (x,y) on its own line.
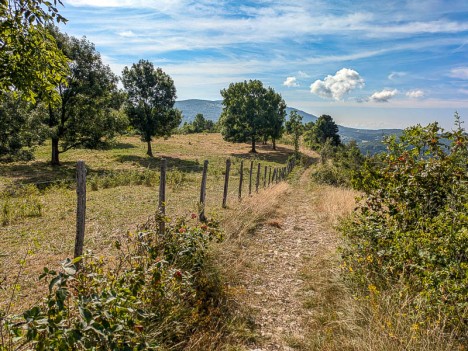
(369,64)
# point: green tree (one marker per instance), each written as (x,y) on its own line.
(21,127)
(325,128)
(295,127)
(151,96)
(30,59)
(275,108)
(199,123)
(89,107)
(249,111)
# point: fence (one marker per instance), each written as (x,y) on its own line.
(271,175)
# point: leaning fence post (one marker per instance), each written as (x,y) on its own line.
(226,182)
(162,196)
(241,178)
(80,208)
(257,183)
(203,192)
(250,178)
(265,177)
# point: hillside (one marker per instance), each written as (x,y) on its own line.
(368,140)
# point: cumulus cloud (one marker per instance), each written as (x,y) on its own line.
(384,95)
(459,72)
(290,82)
(337,86)
(415,94)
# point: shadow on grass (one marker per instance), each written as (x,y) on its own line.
(280,155)
(154,163)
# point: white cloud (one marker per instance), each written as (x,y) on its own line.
(384,95)
(291,82)
(415,94)
(459,72)
(395,75)
(339,85)
(127,34)
(303,74)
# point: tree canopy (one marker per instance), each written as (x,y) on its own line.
(251,111)
(295,127)
(151,96)
(88,110)
(318,133)
(30,59)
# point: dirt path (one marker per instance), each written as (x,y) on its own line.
(276,254)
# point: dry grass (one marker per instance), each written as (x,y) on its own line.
(113,210)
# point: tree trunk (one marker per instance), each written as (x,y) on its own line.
(150,150)
(55,152)
(274,143)
(253,146)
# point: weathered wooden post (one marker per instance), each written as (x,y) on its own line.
(226,182)
(257,183)
(274,175)
(203,192)
(162,196)
(80,208)
(269,176)
(265,177)
(250,178)
(241,178)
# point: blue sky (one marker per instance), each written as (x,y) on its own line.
(368,64)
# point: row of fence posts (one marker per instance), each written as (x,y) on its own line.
(275,175)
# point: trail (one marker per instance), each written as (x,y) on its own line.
(275,256)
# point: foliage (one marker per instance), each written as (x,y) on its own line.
(30,59)
(411,226)
(339,164)
(200,124)
(89,107)
(153,298)
(21,128)
(250,112)
(151,96)
(295,127)
(19,203)
(317,133)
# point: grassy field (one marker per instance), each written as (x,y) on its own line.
(38,201)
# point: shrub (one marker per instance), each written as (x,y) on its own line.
(411,227)
(152,298)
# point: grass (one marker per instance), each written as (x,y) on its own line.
(122,193)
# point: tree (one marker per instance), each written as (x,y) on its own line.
(248,109)
(276,114)
(199,123)
(325,128)
(89,106)
(30,59)
(151,96)
(21,128)
(295,127)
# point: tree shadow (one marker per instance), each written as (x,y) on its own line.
(122,146)
(155,162)
(280,155)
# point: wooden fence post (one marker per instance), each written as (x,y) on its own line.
(226,182)
(203,192)
(265,177)
(80,208)
(162,196)
(241,178)
(274,175)
(269,176)
(257,183)
(250,178)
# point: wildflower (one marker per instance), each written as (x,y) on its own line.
(178,275)
(182,230)
(194,216)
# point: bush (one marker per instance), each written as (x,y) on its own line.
(154,297)
(411,227)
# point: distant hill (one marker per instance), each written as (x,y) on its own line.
(368,140)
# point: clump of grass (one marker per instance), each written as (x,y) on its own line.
(112,179)
(20,202)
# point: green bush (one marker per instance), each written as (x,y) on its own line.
(411,227)
(153,298)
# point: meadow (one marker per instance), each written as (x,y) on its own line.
(38,201)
